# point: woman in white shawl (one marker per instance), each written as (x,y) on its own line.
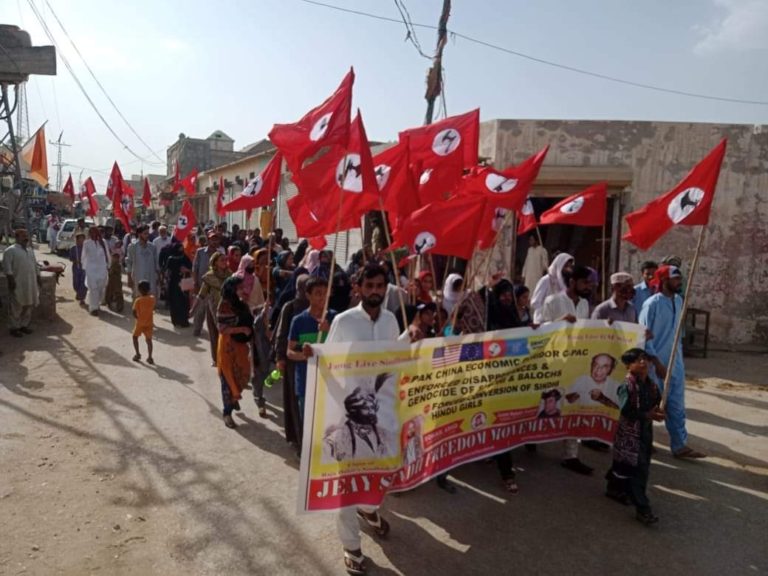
(550,283)
(452,290)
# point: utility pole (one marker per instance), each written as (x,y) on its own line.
(435,74)
(58,143)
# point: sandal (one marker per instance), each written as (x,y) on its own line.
(375,521)
(150,360)
(354,562)
(137,357)
(262,412)
(229,422)
(511,486)
(688,452)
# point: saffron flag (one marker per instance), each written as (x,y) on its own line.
(146,197)
(186,222)
(449,227)
(689,203)
(259,192)
(325,125)
(526,218)
(69,189)
(587,208)
(342,185)
(34,155)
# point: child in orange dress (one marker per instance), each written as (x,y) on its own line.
(143,311)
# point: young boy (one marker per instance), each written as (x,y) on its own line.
(304,331)
(143,310)
(639,404)
(113,296)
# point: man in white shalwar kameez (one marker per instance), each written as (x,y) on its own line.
(22,277)
(95,262)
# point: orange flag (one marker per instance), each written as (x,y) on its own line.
(35,155)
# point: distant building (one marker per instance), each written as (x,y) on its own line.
(201,154)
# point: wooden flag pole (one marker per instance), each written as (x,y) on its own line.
(538,235)
(681,320)
(333,262)
(603,279)
(513,264)
(394,262)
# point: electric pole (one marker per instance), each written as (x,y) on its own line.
(435,74)
(59,144)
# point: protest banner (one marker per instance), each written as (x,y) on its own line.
(385,417)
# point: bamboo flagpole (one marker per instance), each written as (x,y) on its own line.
(603,279)
(333,262)
(681,320)
(394,262)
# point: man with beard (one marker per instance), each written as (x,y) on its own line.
(23,279)
(141,262)
(553,282)
(570,305)
(364,323)
(660,314)
(96,263)
(643,290)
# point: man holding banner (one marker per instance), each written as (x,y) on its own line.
(571,304)
(366,322)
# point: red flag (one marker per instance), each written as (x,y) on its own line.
(259,192)
(188,182)
(456,134)
(526,218)
(115,183)
(69,189)
(176,178)
(395,179)
(308,224)
(689,203)
(494,218)
(318,242)
(449,228)
(87,192)
(146,197)
(325,125)
(494,186)
(438,177)
(186,222)
(342,180)
(587,208)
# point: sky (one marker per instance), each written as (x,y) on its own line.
(242,65)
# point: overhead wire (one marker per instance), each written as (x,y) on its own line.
(63,58)
(410,31)
(551,63)
(98,83)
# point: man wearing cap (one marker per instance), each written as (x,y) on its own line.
(618,308)
(23,281)
(423,323)
(141,262)
(660,314)
(199,268)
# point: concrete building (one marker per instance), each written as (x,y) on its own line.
(640,161)
(201,154)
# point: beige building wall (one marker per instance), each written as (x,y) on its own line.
(732,282)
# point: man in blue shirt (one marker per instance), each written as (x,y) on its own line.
(304,330)
(660,314)
(643,290)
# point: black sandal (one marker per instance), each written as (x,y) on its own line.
(379,525)
(354,562)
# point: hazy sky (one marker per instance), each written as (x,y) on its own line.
(241,65)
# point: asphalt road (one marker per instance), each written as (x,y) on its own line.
(112,467)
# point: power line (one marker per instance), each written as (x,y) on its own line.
(103,90)
(544,61)
(410,31)
(76,79)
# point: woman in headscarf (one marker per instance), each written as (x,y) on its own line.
(254,293)
(311,261)
(452,292)
(282,271)
(551,283)
(502,310)
(424,284)
(234,323)
(178,266)
(234,254)
(291,419)
(210,296)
